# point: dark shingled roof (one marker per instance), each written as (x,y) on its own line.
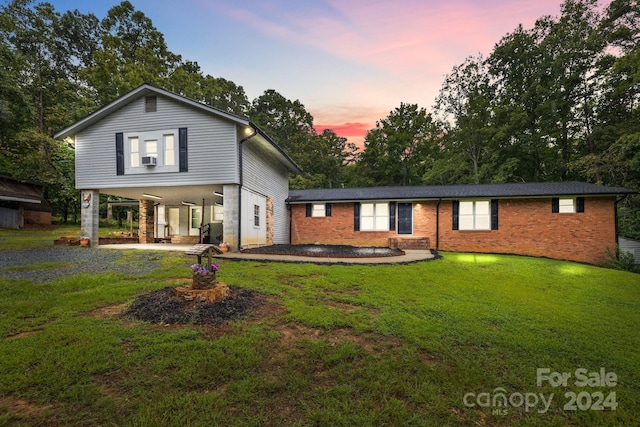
(510,190)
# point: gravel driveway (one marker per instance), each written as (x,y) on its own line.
(75,260)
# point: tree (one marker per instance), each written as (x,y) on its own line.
(287,122)
(401,148)
(466,110)
(131,52)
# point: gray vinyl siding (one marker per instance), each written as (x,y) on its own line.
(265,175)
(212,147)
(631,246)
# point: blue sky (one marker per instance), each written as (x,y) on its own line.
(350,62)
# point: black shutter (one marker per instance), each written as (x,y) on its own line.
(309,208)
(455,207)
(555,205)
(580,204)
(119,154)
(356,216)
(182,148)
(327,209)
(392,216)
(494,214)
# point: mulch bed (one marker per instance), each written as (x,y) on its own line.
(163,306)
(326,251)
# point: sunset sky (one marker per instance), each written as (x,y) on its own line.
(350,62)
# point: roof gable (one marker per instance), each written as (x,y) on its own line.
(146,90)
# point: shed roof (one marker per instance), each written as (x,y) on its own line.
(18,191)
(434,192)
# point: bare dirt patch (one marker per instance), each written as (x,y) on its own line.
(24,410)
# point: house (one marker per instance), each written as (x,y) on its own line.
(631,246)
(564,220)
(191,167)
(22,203)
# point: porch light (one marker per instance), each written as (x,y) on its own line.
(151,196)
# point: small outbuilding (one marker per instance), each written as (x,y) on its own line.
(22,203)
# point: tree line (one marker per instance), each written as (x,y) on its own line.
(559,101)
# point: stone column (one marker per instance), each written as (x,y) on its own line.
(231,216)
(89,215)
(145,222)
(270,220)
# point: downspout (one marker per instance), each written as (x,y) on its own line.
(240,173)
(438,225)
(615,216)
(290,222)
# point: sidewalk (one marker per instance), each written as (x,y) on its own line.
(409,256)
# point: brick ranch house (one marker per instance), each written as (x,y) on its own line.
(563,220)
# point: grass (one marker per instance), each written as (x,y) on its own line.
(333,345)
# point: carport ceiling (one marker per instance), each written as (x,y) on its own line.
(171,196)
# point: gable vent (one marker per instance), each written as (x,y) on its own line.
(150,104)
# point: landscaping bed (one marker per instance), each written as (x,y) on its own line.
(328,251)
(164,306)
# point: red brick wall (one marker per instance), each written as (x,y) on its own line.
(526,227)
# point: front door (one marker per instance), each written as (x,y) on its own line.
(174,221)
(405,218)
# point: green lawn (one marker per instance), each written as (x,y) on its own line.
(423,344)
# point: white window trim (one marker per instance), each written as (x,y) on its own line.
(161,152)
(380,215)
(318,210)
(567,205)
(472,219)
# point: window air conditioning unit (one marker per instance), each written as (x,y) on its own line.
(149,161)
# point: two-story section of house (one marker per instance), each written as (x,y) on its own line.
(188,164)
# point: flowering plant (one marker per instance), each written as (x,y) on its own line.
(203,269)
(83,237)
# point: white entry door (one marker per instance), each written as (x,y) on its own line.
(254,219)
(174,221)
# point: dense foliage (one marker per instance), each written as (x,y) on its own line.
(559,101)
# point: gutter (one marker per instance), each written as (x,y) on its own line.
(240,170)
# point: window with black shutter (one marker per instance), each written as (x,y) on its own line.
(182,149)
(119,153)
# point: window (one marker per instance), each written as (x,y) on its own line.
(151,147)
(150,104)
(134,149)
(475,215)
(318,210)
(169,149)
(567,205)
(256,215)
(217,214)
(374,217)
(196,217)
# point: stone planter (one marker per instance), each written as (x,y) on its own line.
(204,281)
